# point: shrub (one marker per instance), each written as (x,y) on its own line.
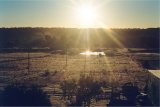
(20,95)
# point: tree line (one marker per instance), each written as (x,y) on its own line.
(60,38)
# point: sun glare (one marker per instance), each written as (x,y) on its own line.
(88,53)
(87,14)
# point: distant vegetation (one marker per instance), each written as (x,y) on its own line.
(60,38)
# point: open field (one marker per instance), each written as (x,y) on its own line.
(50,71)
(80,53)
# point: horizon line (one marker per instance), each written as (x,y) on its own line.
(86,27)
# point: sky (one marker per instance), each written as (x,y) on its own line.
(64,13)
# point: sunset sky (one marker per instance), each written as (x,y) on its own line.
(72,13)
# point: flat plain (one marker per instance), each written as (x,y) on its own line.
(50,71)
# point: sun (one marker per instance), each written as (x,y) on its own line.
(87,14)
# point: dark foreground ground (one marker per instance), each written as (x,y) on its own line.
(117,78)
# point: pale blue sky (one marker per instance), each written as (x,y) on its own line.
(61,13)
